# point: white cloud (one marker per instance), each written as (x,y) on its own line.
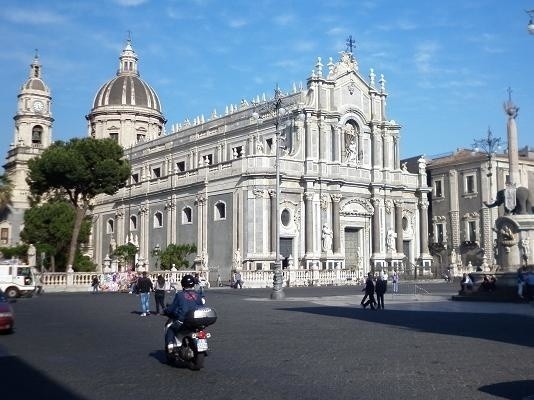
(337,31)
(424,55)
(284,19)
(31,16)
(130,3)
(304,46)
(398,25)
(237,23)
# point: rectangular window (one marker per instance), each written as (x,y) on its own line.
(438,188)
(470,184)
(135,178)
(140,138)
(114,136)
(440,230)
(472,227)
(4,235)
(156,172)
(180,166)
(269,143)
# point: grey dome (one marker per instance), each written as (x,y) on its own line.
(127,90)
(35,84)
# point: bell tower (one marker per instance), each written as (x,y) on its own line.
(32,134)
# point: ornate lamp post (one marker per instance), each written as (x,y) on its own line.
(488,145)
(156,252)
(276,109)
(530,26)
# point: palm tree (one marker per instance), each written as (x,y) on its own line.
(6,190)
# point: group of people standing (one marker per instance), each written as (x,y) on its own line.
(378,285)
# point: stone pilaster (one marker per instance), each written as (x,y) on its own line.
(308,223)
(376,224)
(398,225)
(272,195)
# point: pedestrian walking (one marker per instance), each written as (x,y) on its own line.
(369,289)
(95,284)
(237,280)
(159,293)
(395,279)
(144,287)
(380,289)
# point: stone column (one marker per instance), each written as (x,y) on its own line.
(423,220)
(201,204)
(398,226)
(272,194)
(336,198)
(308,223)
(322,140)
(336,157)
(376,224)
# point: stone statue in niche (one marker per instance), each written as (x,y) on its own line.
(327,238)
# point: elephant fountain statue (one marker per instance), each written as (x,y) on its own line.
(523,201)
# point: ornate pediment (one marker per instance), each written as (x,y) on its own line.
(357,206)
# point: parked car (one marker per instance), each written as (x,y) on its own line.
(7,317)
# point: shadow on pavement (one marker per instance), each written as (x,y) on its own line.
(515,390)
(517,328)
(21,381)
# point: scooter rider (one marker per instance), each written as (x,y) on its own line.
(186,300)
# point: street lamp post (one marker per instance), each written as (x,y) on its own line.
(530,26)
(156,252)
(276,109)
(488,145)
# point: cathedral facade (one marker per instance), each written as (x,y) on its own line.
(345,201)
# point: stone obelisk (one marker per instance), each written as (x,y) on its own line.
(513,158)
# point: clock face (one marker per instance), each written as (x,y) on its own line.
(38,106)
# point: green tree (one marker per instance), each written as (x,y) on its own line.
(126,253)
(6,190)
(176,254)
(49,227)
(20,252)
(79,169)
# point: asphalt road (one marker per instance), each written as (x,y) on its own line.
(316,344)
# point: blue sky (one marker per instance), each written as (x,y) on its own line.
(447,64)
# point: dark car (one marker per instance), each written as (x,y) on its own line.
(7,317)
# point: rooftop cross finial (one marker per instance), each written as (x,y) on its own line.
(509,90)
(350,44)
(36,53)
(129,35)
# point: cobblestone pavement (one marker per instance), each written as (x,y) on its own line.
(316,343)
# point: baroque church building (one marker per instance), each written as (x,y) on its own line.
(32,134)
(345,202)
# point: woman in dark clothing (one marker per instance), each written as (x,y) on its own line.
(380,289)
(159,293)
(369,292)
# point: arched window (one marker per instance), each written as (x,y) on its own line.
(187,216)
(219,211)
(110,226)
(37,134)
(158,219)
(133,223)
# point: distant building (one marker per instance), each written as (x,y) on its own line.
(461,182)
(32,134)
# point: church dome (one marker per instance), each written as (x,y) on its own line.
(35,84)
(127,88)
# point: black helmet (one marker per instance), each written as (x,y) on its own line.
(188,281)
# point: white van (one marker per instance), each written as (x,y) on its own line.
(17,280)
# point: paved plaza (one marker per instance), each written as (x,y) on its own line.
(317,343)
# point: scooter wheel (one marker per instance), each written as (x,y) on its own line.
(197,363)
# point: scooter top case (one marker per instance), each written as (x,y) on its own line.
(200,318)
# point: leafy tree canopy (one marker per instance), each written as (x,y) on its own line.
(49,227)
(176,254)
(79,169)
(126,253)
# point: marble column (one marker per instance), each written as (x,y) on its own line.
(423,220)
(511,129)
(398,226)
(308,223)
(272,195)
(376,224)
(336,198)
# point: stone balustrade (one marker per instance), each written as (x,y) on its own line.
(121,281)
